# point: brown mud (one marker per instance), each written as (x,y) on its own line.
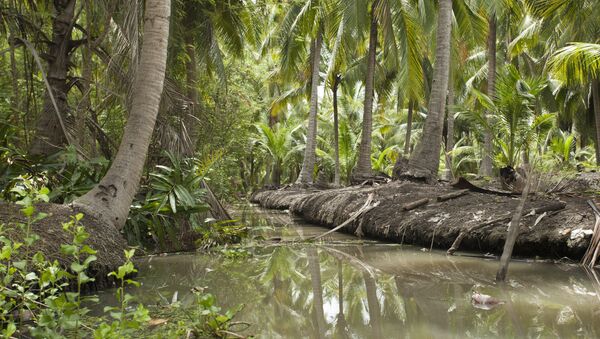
(106,240)
(413,213)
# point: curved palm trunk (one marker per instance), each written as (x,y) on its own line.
(50,133)
(336,132)
(310,156)
(596,99)
(486,161)
(425,161)
(110,199)
(363,168)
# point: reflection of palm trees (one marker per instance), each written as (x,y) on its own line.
(373,302)
(341,326)
(315,279)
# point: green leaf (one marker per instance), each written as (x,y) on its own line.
(172,202)
(68,249)
(77,267)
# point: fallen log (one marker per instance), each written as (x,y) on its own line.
(417,203)
(466,184)
(452,195)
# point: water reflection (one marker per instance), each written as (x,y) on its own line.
(349,290)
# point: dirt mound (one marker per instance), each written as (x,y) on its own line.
(107,240)
(546,226)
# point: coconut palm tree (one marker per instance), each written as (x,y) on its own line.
(577,63)
(580,63)
(206,30)
(425,161)
(110,200)
(363,168)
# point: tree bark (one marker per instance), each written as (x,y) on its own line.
(450,128)
(50,135)
(111,198)
(486,161)
(596,99)
(310,156)
(336,132)
(425,161)
(363,168)
(190,120)
(409,120)
(15,78)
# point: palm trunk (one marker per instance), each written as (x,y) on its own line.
(409,120)
(486,161)
(336,132)
(276,173)
(50,133)
(310,156)
(596,99)
(450,130)
(513,233)
(190,120)
(15,78)
(111,198)
(363,168)
(425,161)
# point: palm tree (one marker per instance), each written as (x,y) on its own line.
(110,200)
(580,63)
(425,161)
(302,21)
(486,163)
(363,168)
(277,141)
(207,29)
(310,157)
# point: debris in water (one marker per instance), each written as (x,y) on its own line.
(484,301)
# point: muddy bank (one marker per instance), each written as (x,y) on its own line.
(552,226)
(106,240)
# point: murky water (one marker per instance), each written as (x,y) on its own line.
(341,287)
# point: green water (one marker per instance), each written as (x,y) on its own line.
(341,287)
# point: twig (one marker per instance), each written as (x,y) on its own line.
(591,254)
(365,208)
(462,234)
(353,260)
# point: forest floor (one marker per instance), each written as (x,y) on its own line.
(553,226)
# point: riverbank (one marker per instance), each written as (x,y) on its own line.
(106,240)
(433,216)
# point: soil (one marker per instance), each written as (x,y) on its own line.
(483,217)
(106,240)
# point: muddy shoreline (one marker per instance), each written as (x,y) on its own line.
(547,231)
